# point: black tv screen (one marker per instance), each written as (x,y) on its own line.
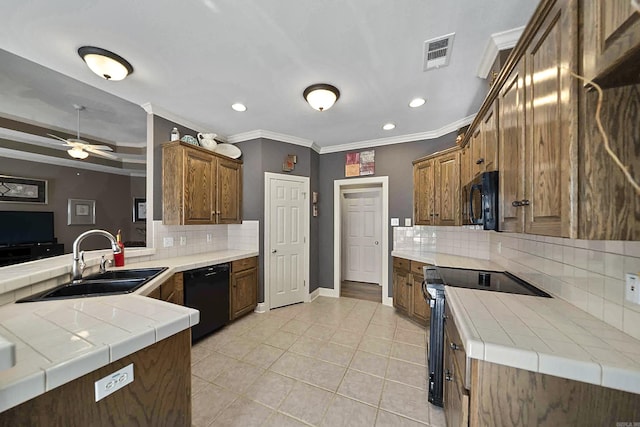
(21,227)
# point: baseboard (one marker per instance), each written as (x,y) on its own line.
(388,301)
(261,307)
(314,294)
(325,292)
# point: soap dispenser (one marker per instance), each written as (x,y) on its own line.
(119,257)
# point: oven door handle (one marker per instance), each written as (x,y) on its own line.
(425,294)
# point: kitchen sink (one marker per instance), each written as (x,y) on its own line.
(100,284)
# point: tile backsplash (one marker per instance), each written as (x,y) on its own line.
(193,239)
(586,273)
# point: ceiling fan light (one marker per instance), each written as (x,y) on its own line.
(104,63)
(321,96)
(78,153)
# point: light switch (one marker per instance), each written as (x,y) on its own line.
(183,240)
(632,293)
(167,242)
(407,222)
(395,222)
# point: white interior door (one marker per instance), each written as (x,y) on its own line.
(362,224)
(287,241)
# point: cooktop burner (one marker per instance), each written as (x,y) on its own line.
(496,281)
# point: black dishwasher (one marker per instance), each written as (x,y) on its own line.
(207,290)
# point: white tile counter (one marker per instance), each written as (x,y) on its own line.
(546,335)
(58,341)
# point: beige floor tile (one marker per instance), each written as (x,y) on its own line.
(238,376)
(292,365)
(344,337)
(407,373)
(211,366)
(197,384)
(346,412)
(381,331)
(217,339)
(369,363)
(208,403)
(261,333)
(263,356)
(411,337)
(243,412)
(238,347)
(325,375)
(320,332)
(335,353)
(405,400)
(270,389)
(296,326)
(199,352)
(356,325)
(281,339)
(410,325)
(306,346)
(374,345)
(436,416)
(360,386)
(281,420)
(306,403)
(408,352)
(387,419)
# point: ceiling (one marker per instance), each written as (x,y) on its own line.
(194,59)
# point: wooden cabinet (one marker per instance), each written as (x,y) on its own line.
(407,289)
(611,49)
(436,186)
(172,290)
(484,143)
(466,175)
(243,296)
(455,395)
(199,186)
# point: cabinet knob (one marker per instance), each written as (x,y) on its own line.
(448,376)
(524,202)
(516,203)
(480,161)
(454,346)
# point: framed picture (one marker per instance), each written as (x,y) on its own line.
(22,190)
(139,209)
(81,212)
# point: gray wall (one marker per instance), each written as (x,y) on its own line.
(162,133)
(265,155)
(393,161)
(112,193)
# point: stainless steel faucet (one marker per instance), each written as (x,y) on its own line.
(78,256)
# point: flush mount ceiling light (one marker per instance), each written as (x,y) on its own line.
(104,63)
(416,102)
(321,96)
(389,126)
(239,107)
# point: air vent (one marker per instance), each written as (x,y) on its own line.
(437,52)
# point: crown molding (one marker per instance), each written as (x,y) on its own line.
(76,164)
(451,127)
(165,114)
(497,42)
(260,133)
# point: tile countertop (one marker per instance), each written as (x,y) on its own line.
(546,335)
(60,340)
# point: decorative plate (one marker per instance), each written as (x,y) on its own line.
(190,140)
(228,150)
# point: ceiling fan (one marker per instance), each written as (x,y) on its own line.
(80,149)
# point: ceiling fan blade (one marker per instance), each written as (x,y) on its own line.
(96,152)
(99,147)
(59,138)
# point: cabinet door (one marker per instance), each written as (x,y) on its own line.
(610,42)
(511,129)
(477,161)
(465,179)
(490,140)
(244,292)
(199,188)
(447,189)
(173,290)
(423,197)
(551,122)
(456,398)
(419,308)
(229,192)
(401,289)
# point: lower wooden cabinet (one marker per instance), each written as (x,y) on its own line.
(456,396)
(407,289)
(172,290)
(243,292)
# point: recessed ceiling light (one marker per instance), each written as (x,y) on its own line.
(389,126)
(416,102)
(239,107)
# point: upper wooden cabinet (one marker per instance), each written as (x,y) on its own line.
(199,186)
(436,186)
(611,42)
(484,144)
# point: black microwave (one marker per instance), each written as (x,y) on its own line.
(482,205)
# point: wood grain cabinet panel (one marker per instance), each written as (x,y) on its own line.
(447,189)
(407,290)
(420,310)
(490,139)
(171,290)
(199,186)
(243,292)
(401,287)
(423,193)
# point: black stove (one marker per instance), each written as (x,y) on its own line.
(435,280)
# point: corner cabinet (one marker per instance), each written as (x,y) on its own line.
(407,290)
(436,189)
(172,290)
(243,296)
(199,186)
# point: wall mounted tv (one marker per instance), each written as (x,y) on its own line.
(26,227)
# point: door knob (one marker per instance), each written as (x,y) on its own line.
(273,251)
(376,242)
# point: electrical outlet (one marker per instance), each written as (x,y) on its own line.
(395,222)
(183,240)
(632,292)
(167,242)
(107,385)
(208,237)
(407,222)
